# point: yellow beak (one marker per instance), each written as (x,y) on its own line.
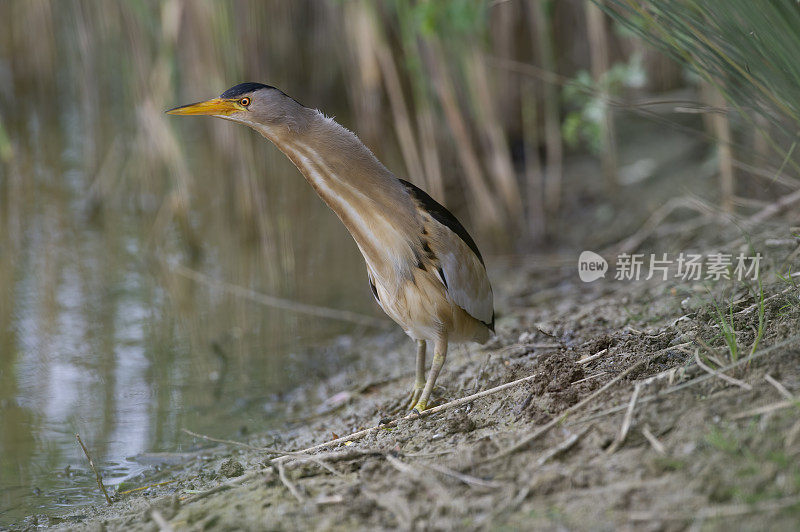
(215,106)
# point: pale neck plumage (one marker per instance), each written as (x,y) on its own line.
(370,201)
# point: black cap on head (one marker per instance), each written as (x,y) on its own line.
(244,88)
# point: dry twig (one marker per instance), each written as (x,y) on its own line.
(435,410)
(561,447)
(289,484)
(415,472)
(157,484)
(593,357)
(626,422)
(728,510)
(657,445)
(237,443)
(792,340)
(771,210)
(780,387)
(791,436)
(761,302)
(631,243)
(397,506)
(91,464)
(160,521)
(222,487)
(765,409)
(719,374)
(525,441)
(466,479)
(590,377)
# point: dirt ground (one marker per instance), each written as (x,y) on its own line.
(614,424)
(701,450)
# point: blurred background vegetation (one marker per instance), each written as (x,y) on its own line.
(133,246)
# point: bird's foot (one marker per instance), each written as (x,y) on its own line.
(414,397)
(420,407)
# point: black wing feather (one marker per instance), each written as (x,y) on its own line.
(442,215)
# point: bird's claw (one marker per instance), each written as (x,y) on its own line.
(413,399)
(419,407)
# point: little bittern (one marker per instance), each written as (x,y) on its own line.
(424,269)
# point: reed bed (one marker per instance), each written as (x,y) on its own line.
(426,84)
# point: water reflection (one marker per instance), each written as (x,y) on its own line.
(99,335)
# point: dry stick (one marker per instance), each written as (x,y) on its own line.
(348,453)
(399,508)
(323,500)
(771,210)
(534,175)
(222,487)
(91,464)
(358,29)
(500,164)
(481,197)
(792,340)
(524,442)
(276,302)
(657,445)
(542,24)
(593,357)
(425,413)
(769,174)
(466,479)
(766,409)
(160,520)
(668,374)
(426,127)
(156,485)
(599,56)
(394,91)
(757,305)
(722,130)
(632,242)
(614,487)
(322,458)
(237,443)
(428,455)
(791,436)
(563,446)
(726,378)
(590,377)
(415,472)
(315,459)
(291,487)
(452,404)
(506,349)
(780,387)
(730,510)
(626,422)
(298,456)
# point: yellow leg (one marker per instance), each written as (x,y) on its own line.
(419,384)
(439,355)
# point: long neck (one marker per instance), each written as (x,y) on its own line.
(367,198)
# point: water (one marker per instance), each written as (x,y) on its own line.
(116,232)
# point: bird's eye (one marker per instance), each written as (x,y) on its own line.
(244,102)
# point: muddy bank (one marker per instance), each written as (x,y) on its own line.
(631,411)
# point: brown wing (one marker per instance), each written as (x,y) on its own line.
(462,270)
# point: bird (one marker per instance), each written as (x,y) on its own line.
(423,267)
